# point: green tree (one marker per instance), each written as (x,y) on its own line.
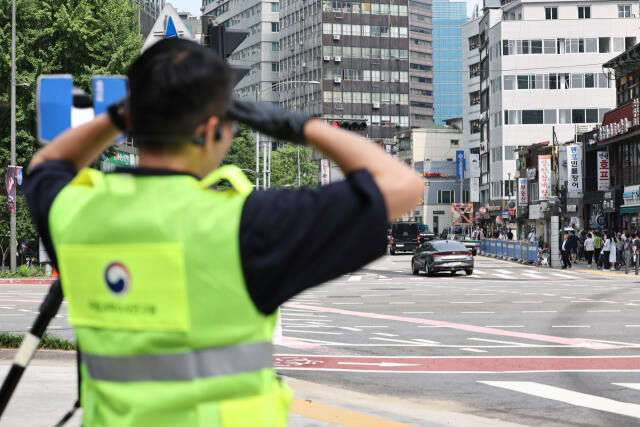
(25,231)
(284,167)
(78,37)
(242,152)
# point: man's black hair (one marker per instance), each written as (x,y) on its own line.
(174,86)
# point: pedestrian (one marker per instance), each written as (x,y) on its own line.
(607,248)
(636,251)
(509,235)
(589,248)
(581,238)
(572,245)
(597,248)
(173,284)
(628,252)
(532,235)
(565,252)
(619,257)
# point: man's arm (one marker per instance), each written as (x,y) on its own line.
(400,186)
(79,146)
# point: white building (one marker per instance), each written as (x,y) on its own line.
(535,66)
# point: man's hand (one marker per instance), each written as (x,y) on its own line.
(270,120)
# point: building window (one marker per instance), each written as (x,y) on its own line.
(584,12)
(275,26)
(275,7)
(474,126)
(474,98)
(474,70)
(474,42)
(624,11)
(446,196)
(275,67)
(455,142)
(510,152)
(550,13)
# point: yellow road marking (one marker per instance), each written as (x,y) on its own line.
(605,273)
(341,417)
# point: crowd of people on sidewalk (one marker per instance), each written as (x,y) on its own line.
(606,250)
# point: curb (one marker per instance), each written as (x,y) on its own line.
(24,281)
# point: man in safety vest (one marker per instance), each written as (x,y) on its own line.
(173,286)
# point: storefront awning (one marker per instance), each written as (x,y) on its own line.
(630,209)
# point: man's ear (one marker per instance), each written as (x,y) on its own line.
(211,129)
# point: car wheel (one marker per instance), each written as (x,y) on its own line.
(429,272)
(415,271)
(392,252)
(453,272)
(469,272)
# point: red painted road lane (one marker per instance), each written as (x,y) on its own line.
(22,281)
(456,364)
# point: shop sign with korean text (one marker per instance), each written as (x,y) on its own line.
(574,168)
(544,177)
(620,120)
(523,195)
(603,170)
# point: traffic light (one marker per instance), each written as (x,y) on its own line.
(224,41)
(353,125)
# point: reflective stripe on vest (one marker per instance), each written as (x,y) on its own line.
(204,363)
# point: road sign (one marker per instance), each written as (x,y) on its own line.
(461,213)
(170,32)
(505,214)
(54,100)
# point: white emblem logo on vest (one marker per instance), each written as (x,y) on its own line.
(117,278)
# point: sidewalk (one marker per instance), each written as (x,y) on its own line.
(48,389)
(27,281)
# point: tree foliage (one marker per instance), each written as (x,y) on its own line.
(284,167)
(25,231)
(78,37)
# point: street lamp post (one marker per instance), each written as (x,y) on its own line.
(12,239)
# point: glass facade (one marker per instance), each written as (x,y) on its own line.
(448,18)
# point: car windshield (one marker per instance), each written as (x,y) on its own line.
(448,245)
(424,228)
(404,228)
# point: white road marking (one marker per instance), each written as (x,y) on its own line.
(393,340)
(417,312)
(503,276)
(402,302)
(632,326)
(354,279)
(475,350)
(381,364)
(519,344)
(467,302)
(376,295)
(502,271)
(348,328)
(347,303)
(539,311)
(570,326)
(385,335)
(603,311)
(371,326)
(635,386)
(312,332)
(426,341)
(526,302)
(564,276)
(568,396)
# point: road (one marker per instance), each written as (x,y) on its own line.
(521,344)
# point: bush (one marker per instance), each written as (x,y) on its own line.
(48,342)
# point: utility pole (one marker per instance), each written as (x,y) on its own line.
(13,242)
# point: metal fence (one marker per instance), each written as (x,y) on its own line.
(507,249)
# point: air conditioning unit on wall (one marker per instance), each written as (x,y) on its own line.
(337,79)
(336,37)
(376,105)
(337,58)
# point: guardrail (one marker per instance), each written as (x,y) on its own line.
(520,251)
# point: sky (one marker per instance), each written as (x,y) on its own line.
(193,6)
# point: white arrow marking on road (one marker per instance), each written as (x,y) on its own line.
(354,279)
(568,396)
(381,364)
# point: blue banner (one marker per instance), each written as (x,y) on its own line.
(460,163)
(532,252)
(53,105)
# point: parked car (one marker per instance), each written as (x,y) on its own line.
(406,236)
(442,255)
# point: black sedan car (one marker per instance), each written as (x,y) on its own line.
(442,255)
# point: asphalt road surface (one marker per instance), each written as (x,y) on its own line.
(534,346)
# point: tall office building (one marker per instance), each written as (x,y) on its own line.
(448,18)
(534,70)
(421,62)
(148,12)
(259,50)
(358,51)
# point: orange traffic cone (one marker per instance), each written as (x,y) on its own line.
(54,274)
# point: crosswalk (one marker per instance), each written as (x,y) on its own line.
(572,397)
(502,274)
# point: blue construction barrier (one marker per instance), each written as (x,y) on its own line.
(508,249)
